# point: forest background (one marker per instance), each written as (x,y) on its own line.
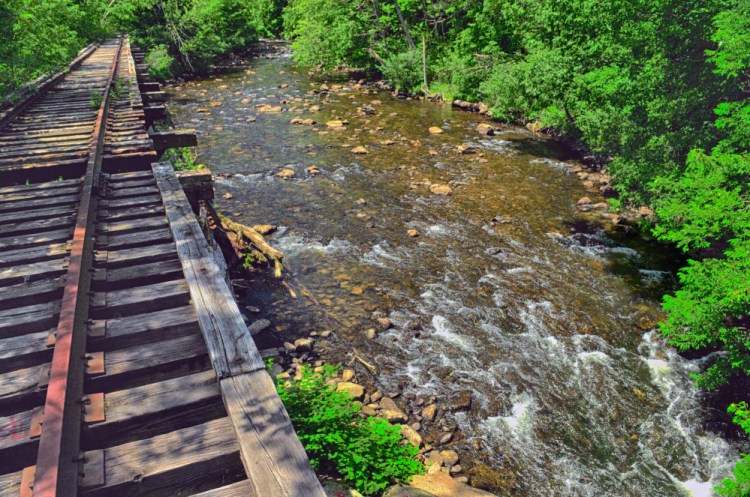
(657,91)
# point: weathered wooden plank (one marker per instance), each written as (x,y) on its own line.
(24,273)
(17,448)
(120,333)
(18,390)
(28,193)
(173,138)
(143,364)
(230,345)
(12,218)
(35,292)
(35,239)
(61,203)
(29,319)
(10,484)
(32,255)
(274,459)
(132,202)
(123,227)
(24,351)
(242,488)
(140,299)
(135,256)
(172,464)
(157,408)
(130,276)
(138,239)
(41,187)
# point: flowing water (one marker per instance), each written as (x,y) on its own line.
(545,314)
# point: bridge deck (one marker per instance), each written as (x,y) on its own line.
(125,366)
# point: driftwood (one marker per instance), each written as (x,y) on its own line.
(236,240)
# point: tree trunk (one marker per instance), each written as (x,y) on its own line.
(409,39)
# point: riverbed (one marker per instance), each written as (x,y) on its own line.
(505,289)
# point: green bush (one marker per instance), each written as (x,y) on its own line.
(160,63)
(182,159)
(404,70)
(369,454)
(739,485)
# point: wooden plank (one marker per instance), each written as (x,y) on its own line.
(137,239)
(153,409)
(10,484)
(140,299)
(175,138)
(35,292)
(123,227)
(143,364)
(120,333)
(230,345)
(172,464)
(135,256)
(35,239)
(18,390)
(130,276)
(242,488)
(24,351)
(35,227)
(32,255)
(274,459)
(24,273)
(28,319)
(17,449)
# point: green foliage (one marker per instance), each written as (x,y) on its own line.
(161,64)
(739,485)
(95,101)
(189,35)
(40,36)
(327,33)
(182,159)
(369,454)
(741,415)
(404,70)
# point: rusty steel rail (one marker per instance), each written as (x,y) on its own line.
(125,364)
(57,464)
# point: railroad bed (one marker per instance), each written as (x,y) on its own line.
(125,366)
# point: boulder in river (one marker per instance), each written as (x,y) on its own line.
(286,173)
(485,129)
(356,391)
(360,150)
(444,190)
(434,130)
(336,123)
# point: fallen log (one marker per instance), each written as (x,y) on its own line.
(238,240)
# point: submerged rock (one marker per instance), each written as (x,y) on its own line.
(443,190)
(434,130)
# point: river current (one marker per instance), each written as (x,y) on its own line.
(544,313)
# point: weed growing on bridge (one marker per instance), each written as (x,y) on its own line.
(369,454)
(95,101)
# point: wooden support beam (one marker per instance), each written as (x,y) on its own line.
(198,185)
(173,138)
(153,96)
(273,457)
(154,113)
(149,86)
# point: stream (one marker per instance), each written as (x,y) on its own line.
(544,315)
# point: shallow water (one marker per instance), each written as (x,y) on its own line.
(545,314)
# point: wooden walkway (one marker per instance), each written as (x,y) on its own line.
(125,366)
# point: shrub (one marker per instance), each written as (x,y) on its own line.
(404,70)
(739,485)
(369,454)
(182,159)
(160,63)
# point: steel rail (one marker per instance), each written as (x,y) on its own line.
(59,458)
